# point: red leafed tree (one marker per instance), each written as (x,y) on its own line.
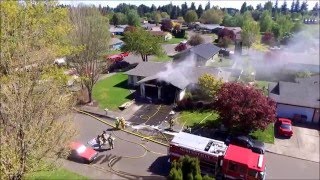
(244,109)
(180,47)
(226,33)
(268,39)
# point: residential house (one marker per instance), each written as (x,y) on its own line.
(299,100)
(208,28)
(202,53)
(116,44)
(149,27)
(163,35)
(155,80)
(117,30)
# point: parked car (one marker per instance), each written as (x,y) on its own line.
(247,142)
(81,153)
(284,127)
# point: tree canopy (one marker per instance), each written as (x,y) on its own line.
(209,85)
(142,43)
(212,16)
(250,32)
(243,108)
(191,16)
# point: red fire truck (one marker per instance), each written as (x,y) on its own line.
(216,158)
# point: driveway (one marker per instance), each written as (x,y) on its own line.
(304,144)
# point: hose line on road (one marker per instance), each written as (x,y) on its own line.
(109,124)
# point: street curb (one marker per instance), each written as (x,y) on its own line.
(98,114)
(291,156)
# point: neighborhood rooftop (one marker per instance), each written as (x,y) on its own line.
(181,79)
(205,50)
(304,93)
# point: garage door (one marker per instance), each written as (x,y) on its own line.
(288,111)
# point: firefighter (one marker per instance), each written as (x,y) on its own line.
(99,141)
(117,123)
(110,141)
(122,123)
(104,136)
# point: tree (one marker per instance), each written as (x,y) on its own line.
(184,8)
(292,6)
(297,6)
(304,8)
(186,168)
(181,47)
(207,6)
(191,16)
(266,22)
(259,7)
(244,109)
(142,43)
(209,85)
(133,18)
(165,15)
(195,40)
(174,12)
(243,8)
(268,39)
(212,16)
(275,8)
(119,18)
(268,6)
(92,34)
(284,8)
(192,7)
(166,25)
(31,135)
(199,10)
(250,32)
(157,17)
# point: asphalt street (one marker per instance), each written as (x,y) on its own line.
(146,160)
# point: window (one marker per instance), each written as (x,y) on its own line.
(252,173)
(242,169)
(232,166)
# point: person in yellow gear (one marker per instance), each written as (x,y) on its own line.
(117,122)
(123,123)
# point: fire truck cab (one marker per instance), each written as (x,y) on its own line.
(216,158)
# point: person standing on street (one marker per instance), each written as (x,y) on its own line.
(110,141)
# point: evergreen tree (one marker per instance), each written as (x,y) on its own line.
(284,8)
(297,6)
(184,9)
(268,6)
(275,8)
(207,6)
(243,8)
(259,7)
(174,13)
(304,8)
(153,8)
(200,10)
(193,7)
(292,7)
(250,8)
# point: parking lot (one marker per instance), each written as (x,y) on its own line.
(303,144)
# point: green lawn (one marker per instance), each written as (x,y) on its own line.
(111,92)
(163,58)
(190,118)
(266,135)
(174,40)
(56,174)
(112,52)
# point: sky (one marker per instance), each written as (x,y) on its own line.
(221,3)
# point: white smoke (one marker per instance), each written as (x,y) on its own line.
(179,70)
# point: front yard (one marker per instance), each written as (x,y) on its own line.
(266,136)
(111,92)
(174,41)
(190,118)
(221,62)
